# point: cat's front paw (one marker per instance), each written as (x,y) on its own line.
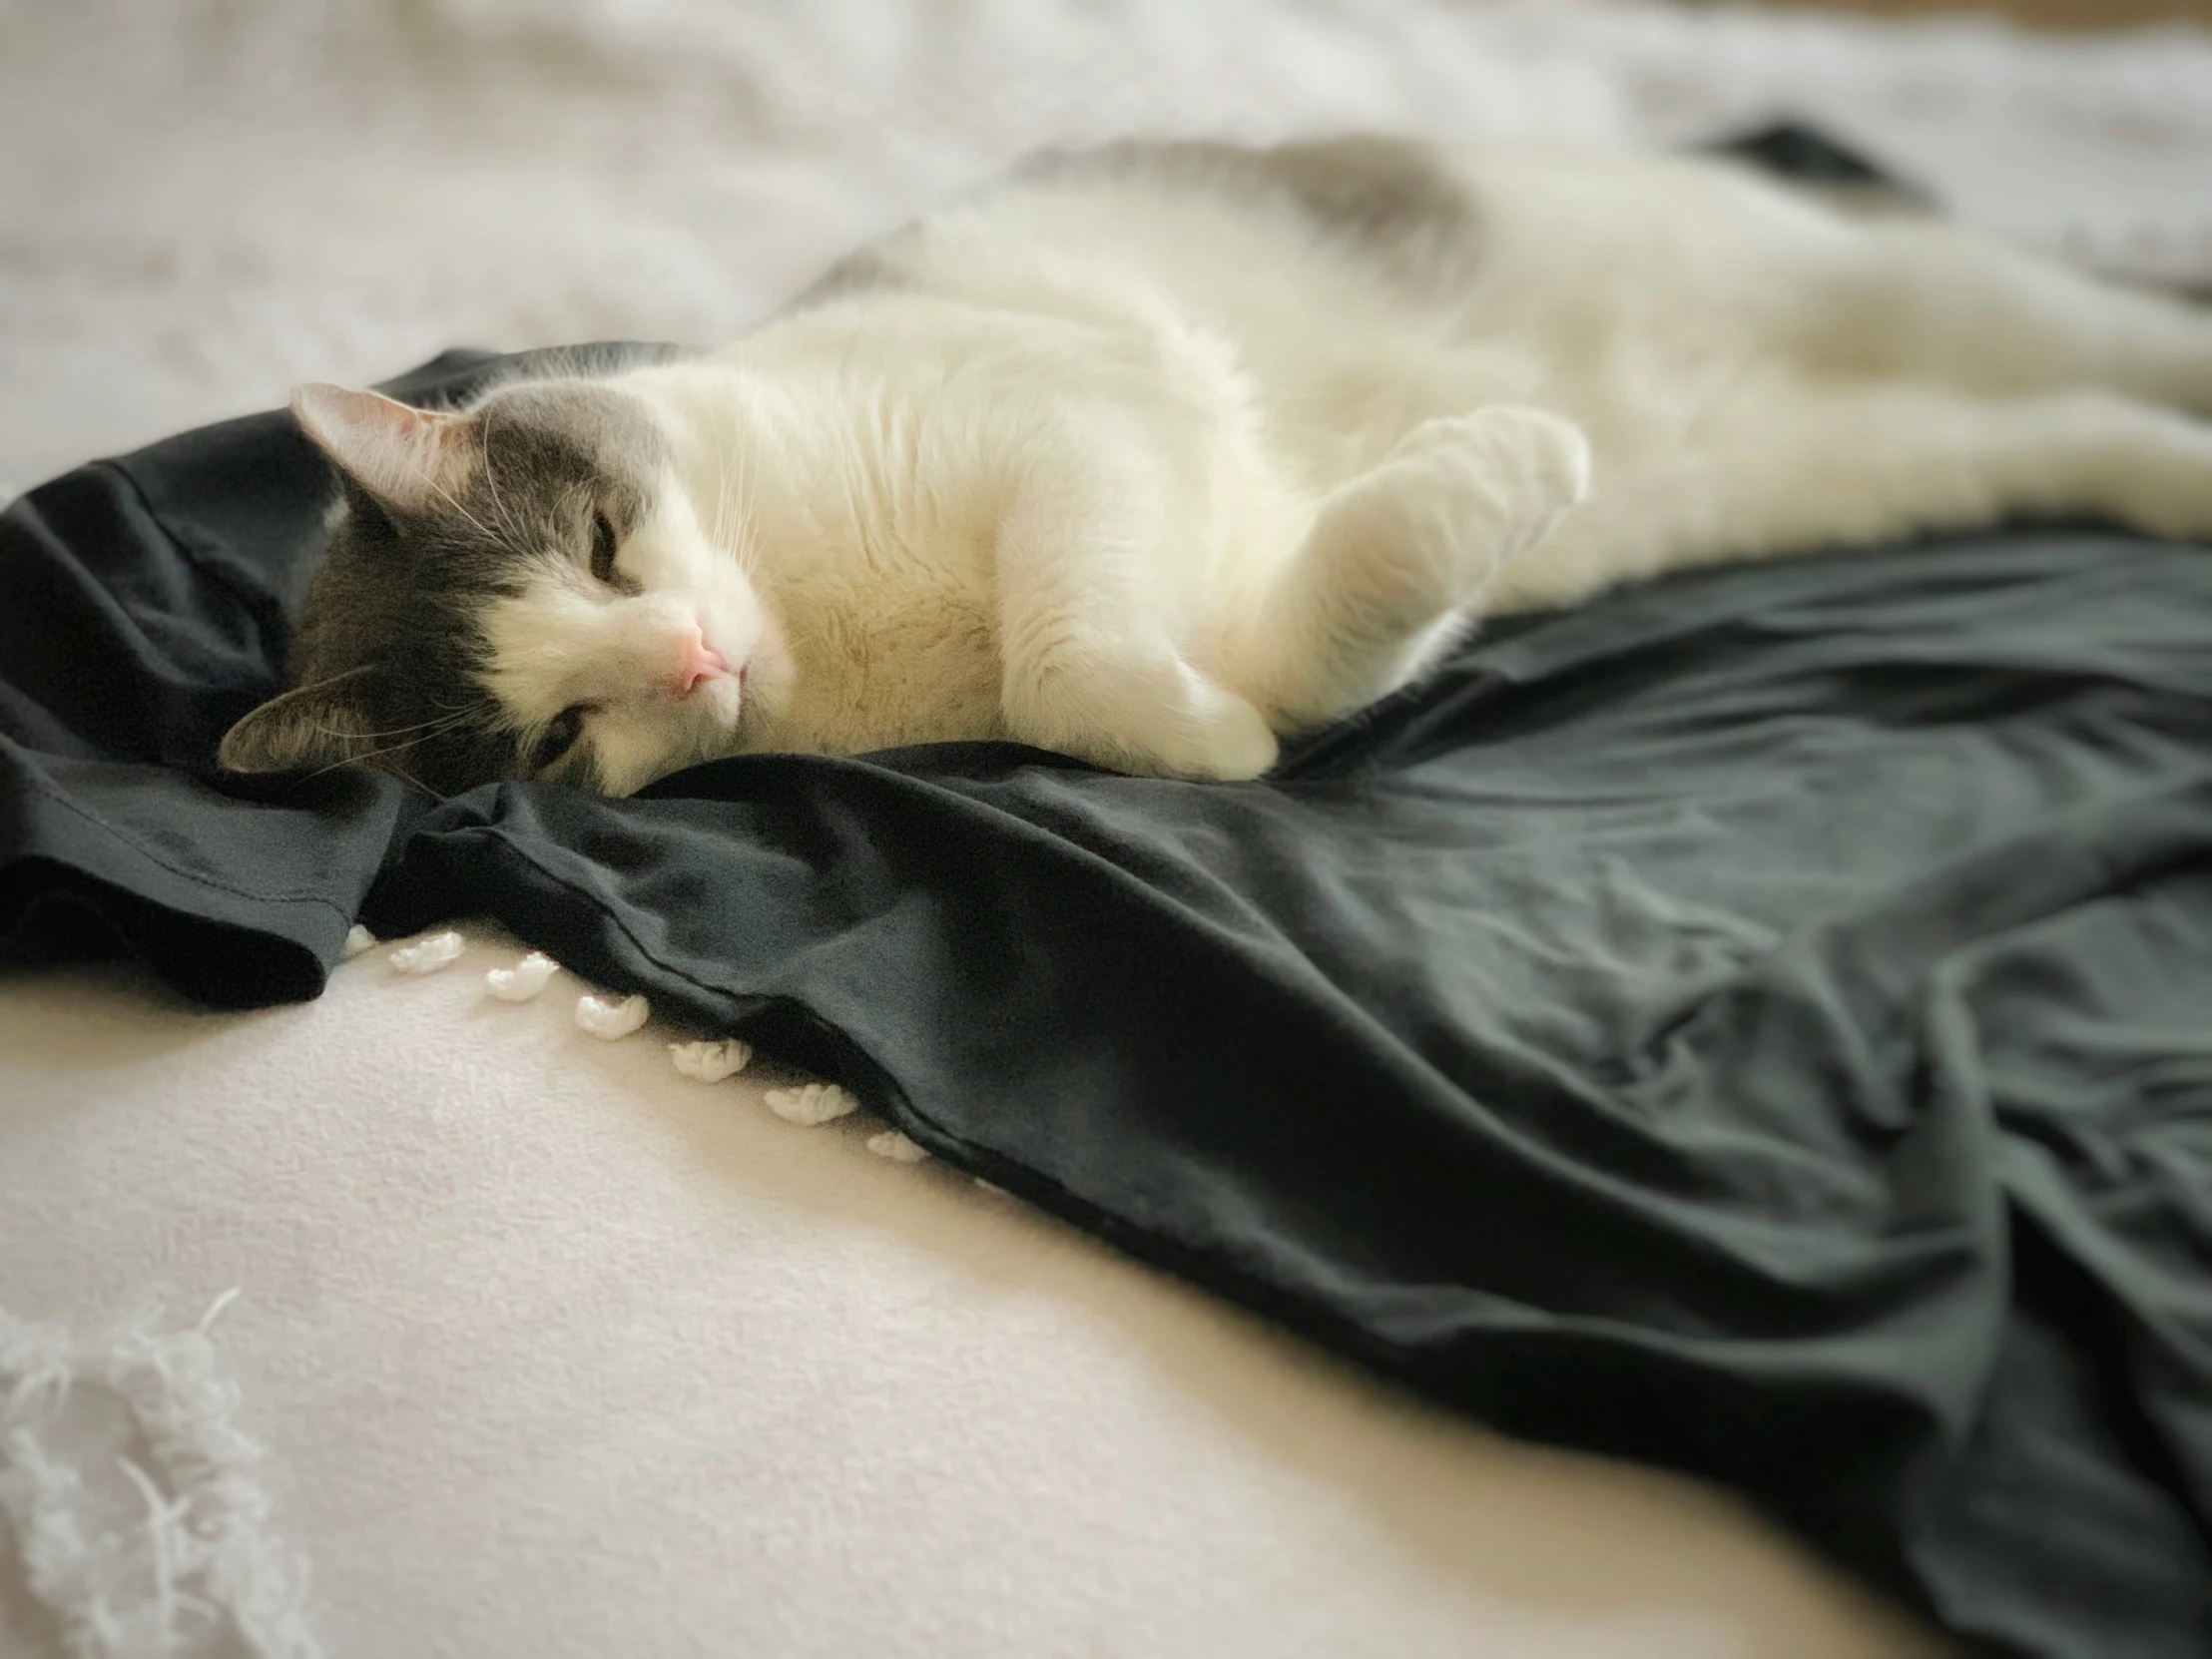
(1148,712)
(1223,738)
(1189,727)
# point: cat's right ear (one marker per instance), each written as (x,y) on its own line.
(404,457)
(302,730)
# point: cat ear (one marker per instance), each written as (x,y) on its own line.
(302,730)
(405,458)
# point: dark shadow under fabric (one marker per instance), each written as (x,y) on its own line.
(1759,1023)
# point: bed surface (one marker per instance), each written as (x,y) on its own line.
(553,1351)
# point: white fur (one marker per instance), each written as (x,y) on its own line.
(1153,477)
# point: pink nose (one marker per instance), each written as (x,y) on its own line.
(696,662)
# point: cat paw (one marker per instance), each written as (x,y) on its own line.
(1472,493)
(1192,727)
(2162,482)
(1147,712)
(1222,737)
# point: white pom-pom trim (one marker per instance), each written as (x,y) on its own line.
(710,1062)
(609,1018)
(428,955)
(525,980)
(358,939)
(810,1103)
(896,1147)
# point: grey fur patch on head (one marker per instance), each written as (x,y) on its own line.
(389,652)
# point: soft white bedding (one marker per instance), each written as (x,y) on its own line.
(551,1350)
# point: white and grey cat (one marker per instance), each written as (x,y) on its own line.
(1156,454)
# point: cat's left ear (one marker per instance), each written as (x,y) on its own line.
(302,730)
(405,458)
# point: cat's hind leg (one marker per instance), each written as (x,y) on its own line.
(1930,301)
(1804,468)
(1398,558)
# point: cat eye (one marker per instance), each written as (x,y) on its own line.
(601,548)
(559,736)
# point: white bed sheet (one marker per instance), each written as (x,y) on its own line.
(555,1353)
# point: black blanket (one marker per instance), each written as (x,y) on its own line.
(1760,1023)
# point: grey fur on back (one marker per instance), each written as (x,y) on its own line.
(1392,200)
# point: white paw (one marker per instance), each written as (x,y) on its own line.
(358,940)
(1529,457)
(1154,716)
(1477,491)
(2163,485)
(1217,735)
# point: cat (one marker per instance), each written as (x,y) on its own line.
(1157,454)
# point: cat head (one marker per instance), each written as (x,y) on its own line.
(520,589)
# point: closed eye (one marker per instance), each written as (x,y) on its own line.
(558,738)
(603,548)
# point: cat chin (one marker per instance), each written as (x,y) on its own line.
(721,703)
(767,672)
(729,715)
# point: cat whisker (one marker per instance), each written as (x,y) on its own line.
(431,726)
(730,484)
(447,496)
(405,734)
(503,510)
(367,754)
(406,777)
(498,502)
(338,679)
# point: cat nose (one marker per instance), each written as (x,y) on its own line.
(696,662)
